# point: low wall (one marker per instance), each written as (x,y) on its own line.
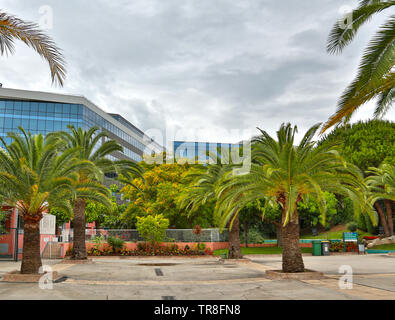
(263,245)
(210,245)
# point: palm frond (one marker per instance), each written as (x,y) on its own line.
(12,28)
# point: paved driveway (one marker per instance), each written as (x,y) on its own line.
(206,279)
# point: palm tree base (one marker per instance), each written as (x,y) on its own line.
(305,275)
(16,276)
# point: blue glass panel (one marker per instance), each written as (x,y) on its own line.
(74,109)
(58,107)
(64,125)
(57,126)
(8,123)
(1,123)
(2,104)
(41,124)
(50,107)
(42,107)
(9,104)
(26,106)
(66,108)
(49,125)
(18,105)
(16,123)
(34,106)
(25,124)
(33,124)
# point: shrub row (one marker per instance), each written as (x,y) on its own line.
(146,249)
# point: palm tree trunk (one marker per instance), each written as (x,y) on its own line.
(292,254)
(79,246)
(234,241)
(31,258)
(279,235)
(388,206)
(382,218)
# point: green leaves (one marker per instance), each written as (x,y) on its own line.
(152,228)
(374,78)
(381,182)
(34,176)
(342,35)
(284,174)
(12,28)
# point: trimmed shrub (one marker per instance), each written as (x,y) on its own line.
(115,243)
(152,228)
(352,226)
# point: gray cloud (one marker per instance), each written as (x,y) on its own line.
(212,66)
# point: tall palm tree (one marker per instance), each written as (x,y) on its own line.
(12,28)
(34,177)
(381,184)
(375,78)
(93,146)
(286,174)
(206,182)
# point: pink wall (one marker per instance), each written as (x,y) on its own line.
(10,238)
(262,245)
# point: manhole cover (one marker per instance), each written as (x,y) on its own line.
(158,272)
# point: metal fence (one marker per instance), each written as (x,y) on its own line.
(132,235)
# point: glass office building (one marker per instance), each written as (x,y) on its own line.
(40,112)
(200,151)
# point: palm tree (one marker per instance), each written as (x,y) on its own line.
(12,28)
(206,182)
(375,78)
(95,147)
(381,184)
(35,177)
(285,174)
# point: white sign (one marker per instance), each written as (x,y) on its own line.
(48,224)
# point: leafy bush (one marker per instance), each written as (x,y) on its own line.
(3,218)
(352,226)
(200,246)
(97,240)
(336,246)
(115,243)
(152,228)
(254,236)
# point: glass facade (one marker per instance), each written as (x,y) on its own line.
(44,117)
(200,151)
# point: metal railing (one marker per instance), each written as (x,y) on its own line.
(132,235)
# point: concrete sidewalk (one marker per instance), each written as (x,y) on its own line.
(206,279)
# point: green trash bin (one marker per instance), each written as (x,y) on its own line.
(317,250)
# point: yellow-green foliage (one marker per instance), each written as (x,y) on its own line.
(152,228)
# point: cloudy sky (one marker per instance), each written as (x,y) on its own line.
(207,70)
